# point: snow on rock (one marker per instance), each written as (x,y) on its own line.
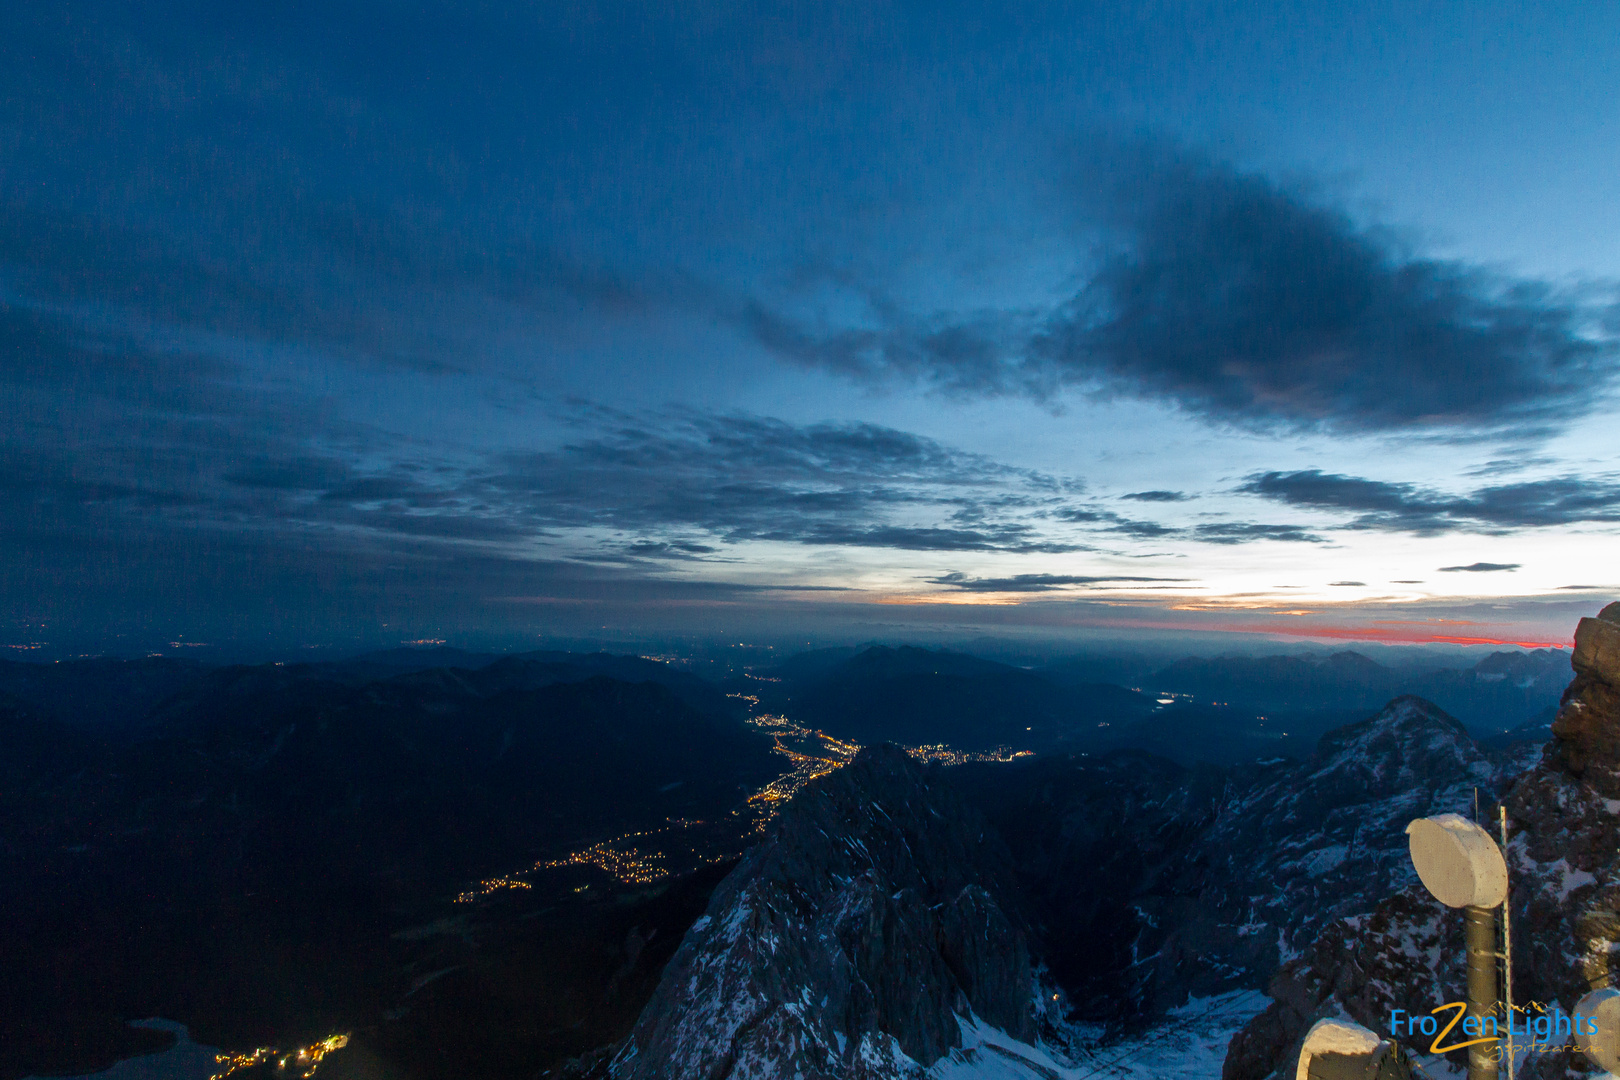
(878,910)
(1331,1036)
(1187,1044)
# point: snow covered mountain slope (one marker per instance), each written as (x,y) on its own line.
(882,929)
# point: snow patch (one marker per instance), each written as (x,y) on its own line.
(1324,859)
(1569,878)
(1189,1044)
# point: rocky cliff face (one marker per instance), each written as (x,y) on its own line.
(1296,851)
(1405,950)
(1102,845)
(878,910)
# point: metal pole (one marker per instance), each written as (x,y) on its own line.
(1507,948)
(1479,929)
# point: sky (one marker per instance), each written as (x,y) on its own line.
(420,321)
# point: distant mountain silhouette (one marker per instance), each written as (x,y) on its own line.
(102,695)
(919,696)
(380,665)
(1222,710)
(816,664)
(35,747)
(1501,691)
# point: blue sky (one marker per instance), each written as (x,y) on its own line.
(364,320)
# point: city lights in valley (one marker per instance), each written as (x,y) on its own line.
(301,1061)
(652,855)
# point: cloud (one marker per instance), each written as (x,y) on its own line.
(742,478)
(1109,522)
(651,552)
(1036,582)
(1404,507)
(1232,532)
(1144,530)
(1501,466)
(1242,298)
(1241,532)
(966,357)
(1157,496)
(1479,568)
(1017,539)
(661,488)
(1246,300)
(680,548)
(214,517)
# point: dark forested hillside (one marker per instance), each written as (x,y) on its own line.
(242,864)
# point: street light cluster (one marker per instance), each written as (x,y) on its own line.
(304,1060)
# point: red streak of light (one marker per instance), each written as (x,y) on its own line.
(1381,631)
(1387,633)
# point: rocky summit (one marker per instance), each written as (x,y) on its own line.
(1406,950)
(876,917)
(1149,883)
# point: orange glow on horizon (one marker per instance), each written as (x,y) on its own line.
(953,599)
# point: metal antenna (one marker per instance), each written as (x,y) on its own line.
(1507,944)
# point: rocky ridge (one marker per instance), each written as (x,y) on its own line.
(877,918)
(1323,840)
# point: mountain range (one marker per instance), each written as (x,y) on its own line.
(270,853)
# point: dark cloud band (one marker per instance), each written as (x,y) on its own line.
(1041,582)
(1405,507)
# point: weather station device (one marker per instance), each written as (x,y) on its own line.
(1462,867)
